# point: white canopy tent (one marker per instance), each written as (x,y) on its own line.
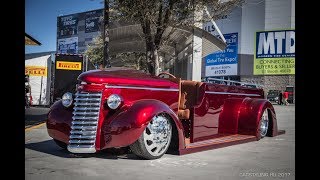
(39,70)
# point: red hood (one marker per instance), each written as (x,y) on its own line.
(125,77)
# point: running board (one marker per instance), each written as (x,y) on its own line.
(219,142)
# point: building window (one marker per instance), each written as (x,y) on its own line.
(81,43)
(81,28)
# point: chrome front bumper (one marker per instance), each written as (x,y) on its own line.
(81,149)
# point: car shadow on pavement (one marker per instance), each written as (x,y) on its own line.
(31,120)
(49,147)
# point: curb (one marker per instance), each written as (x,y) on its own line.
(34,126)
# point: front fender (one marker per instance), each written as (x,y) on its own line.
(127,126)
(59,122)
(249,117)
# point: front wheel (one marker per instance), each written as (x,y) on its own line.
(155,139)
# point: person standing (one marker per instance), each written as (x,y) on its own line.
(280,98)
(285,98)
(27,91)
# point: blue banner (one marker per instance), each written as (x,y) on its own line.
(224,63)
(227,56)
(93,21)
(68,45)
(68,25)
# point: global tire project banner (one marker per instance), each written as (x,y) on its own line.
(274,53)
(224,63)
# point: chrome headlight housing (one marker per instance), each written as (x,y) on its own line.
(67,99)
(114,101)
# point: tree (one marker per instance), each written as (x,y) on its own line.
(95,50)
(155,16)
(135,60)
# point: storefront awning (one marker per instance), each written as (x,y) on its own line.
(31,41)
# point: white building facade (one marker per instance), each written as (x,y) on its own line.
(265,24)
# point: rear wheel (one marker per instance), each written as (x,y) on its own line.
(263,124)
(60,144)
(155,139)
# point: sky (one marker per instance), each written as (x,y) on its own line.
(41,19)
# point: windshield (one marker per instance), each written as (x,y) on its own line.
(289,89)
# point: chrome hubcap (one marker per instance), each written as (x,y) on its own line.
(157,135)
(264,123)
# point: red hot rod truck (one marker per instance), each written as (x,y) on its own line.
(119,107)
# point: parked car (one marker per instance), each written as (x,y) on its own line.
(290,90)
(273,95)
(119,107)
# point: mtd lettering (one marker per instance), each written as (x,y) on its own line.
(275,44)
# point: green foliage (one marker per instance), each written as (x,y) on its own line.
(160,13)
(95,50)
(136,60)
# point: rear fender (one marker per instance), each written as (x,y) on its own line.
(228,119)
(250,112)
(127,126)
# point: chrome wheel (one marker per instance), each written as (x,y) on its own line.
(264,123)
(157,135)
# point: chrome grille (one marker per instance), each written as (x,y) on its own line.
(85,120)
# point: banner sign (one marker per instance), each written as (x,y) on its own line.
(68,45)
(35,71)
(67,65)
(224,63)
(67,25)
(92,21)
(274,53)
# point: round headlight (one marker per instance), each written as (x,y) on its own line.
(114,101)
(67,99)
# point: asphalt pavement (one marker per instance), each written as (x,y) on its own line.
(35,115)
(269,158)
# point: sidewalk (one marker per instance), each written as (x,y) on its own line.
(35,115)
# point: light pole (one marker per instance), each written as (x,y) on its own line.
(105,35)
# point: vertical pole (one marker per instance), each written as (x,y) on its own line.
(104,32)
(196,47)
(86,63)
(83,58)
(106,62)
(40,90)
